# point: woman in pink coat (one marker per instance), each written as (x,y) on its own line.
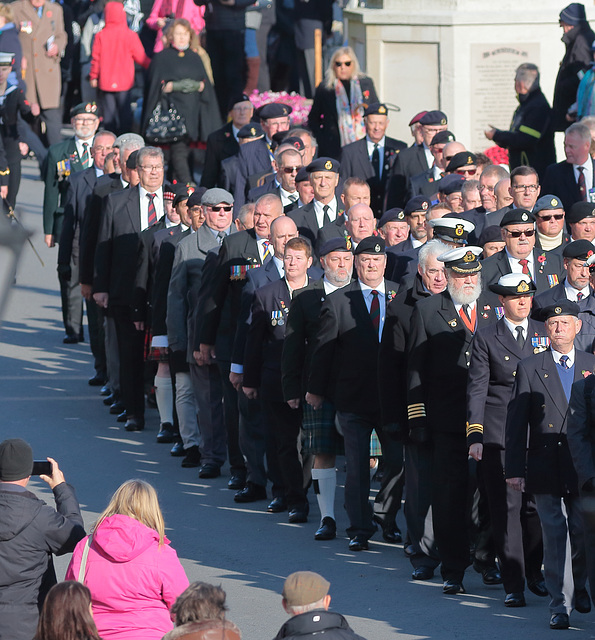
(132,572)
(166,11)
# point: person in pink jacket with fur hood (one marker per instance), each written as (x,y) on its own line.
(132,572)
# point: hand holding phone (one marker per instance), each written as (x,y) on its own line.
(56,476)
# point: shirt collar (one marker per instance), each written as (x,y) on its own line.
(556,356)
(366,290)
(512,327)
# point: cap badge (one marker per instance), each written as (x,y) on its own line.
(252,131)
(443,121)
(554,202)
(382,109)
(401,215)
(558,310)
(469,257)
(424,205)
(469,160)
(523,286)
(524,217)
(459,230)
(377,248)
(328,165)
(284,111)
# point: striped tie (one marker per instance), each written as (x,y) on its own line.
(266,245)
(85,157)
(152,210)
(375,310)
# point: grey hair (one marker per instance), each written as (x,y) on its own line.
(299,132)
(469,185)
(528,74)
(279,154)
(495,170)
(431,249)
(580,130)
(152,152)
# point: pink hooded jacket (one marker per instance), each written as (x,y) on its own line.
(133,581)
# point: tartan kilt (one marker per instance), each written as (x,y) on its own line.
(152,354)
(319,433)
(375,448)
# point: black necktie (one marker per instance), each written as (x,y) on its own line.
(582,187)
(326,218)
(376,161)
(520,338)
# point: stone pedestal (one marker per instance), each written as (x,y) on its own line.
(456,55)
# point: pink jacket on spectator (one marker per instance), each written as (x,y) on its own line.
(180,9)
(133,580)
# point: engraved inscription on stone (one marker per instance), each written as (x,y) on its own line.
(493,99)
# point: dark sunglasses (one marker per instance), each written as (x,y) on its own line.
(341,64)
(291,169)
(217,209)
(517,234)
(469,172)
(555,216)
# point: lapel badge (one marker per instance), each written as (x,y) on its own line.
(507,358)
(453,322)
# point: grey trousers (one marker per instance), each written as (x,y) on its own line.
(208,392)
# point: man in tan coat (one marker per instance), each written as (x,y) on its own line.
(42,36)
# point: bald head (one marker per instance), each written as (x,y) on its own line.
(268,207)
(450,150)
(360,222)
(283,229)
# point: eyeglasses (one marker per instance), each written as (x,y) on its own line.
(338,63)
(531,188)
(485,187)
(517,234)
(85,120)
(468,172)
(216,209)
(291,169)
(151,168)
(100,148)
(555,216)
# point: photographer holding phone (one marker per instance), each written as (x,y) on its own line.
(30,532)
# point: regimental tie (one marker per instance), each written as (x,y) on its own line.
(376,161)
(525,264)
(582,187)
(520,338)
(579,296)
(266,245)
(152,211)
(326,219)
(375,310)
(468,318)
(86,158)
(564,362)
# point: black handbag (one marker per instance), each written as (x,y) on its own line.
(166,124)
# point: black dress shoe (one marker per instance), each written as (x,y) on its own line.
(209,470)
(491,576)
(515,600)
(122,417)
(392,534)
(276,505)
(134,424)
(177,451)
(358,543)
(117,408)
(422,573)
(236,482)
(166,433)
(452,587)
(559,621)
(192,457)
(327,529)
(538,588)
(251,493)
(106,390)
(110,399)
(297,515)
(97,380)
(582,602)
(68,339)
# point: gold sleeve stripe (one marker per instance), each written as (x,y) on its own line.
(5,173)
(417,410)
(474,428)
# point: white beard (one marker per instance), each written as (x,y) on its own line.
(460,297)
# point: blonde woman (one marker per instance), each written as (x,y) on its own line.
(132,572)
(337,114)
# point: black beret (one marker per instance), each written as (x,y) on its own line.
(517,216)
(581,249)
(302,175)
(392,215)
(434,118)
(513,284)
(417,203)
(450,184)
(562,307)
(16,460)
(490,234)
(376,109)
(335,244)
(548,203)
(274,110)
(324,164)
(579,211)
(85,108)
(294,141)
(372,244)
(443,137)
(236,99)
(461,159)
(251,130)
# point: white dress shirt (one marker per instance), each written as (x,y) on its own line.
(429,157)
(588,173)
(144,206)
(318,210)
(515,267)
(285,199)
(367,292)
(381,145)
(329,287)
(572,293)
(80,149)
(512,327)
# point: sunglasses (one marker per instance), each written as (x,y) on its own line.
(468,172)
(226,208)
(517,234)
(343,64)
(555,216)
(291,169)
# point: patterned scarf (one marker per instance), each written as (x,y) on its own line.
(350,113)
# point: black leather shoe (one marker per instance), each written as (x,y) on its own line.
(358,543)
(178,451)
(192,457)
(251,493)
(582,602)
(276,505)
(166,433)
(122,417)
(422,573)
(491,576)
(117,407)
(327,529)
(298,515)
(110,399)
(538,588)
(67,339)
(452,587)
(209,470)
(96,381)
(236,482)
(392,534)
(514,600)
(106,390)
(134,424)
(559,621)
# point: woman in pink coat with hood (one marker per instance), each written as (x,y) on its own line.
(132,572)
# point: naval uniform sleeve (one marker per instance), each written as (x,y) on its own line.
(477,388)
(416,358)
(517,425)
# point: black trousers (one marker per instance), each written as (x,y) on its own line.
(226,50)
(96,337)
(177,158)
(231,417)
(515,524)
(117,116)
(72,302)
(131,351)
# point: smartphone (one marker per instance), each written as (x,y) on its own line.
(41,468)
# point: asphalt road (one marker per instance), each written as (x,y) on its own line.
(44,398)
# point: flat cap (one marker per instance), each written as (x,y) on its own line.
(85,108)
(376,109)
(16,460)
(579,211)
(416,118)
(490,234)
(302,175)
(417,203)
(463,259)
(274,110)
(374,245)
(304,587)
(562,307)
(392,215)
(461,159)
(216,195)
(335,244)
(237,98)
(450,184)
(573,14)
(434,118)
(514,284)
(251,130)
(443,137)
(579,249)
(452,229)
(129,138)
(517,216)
(548,203)
(324,164)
